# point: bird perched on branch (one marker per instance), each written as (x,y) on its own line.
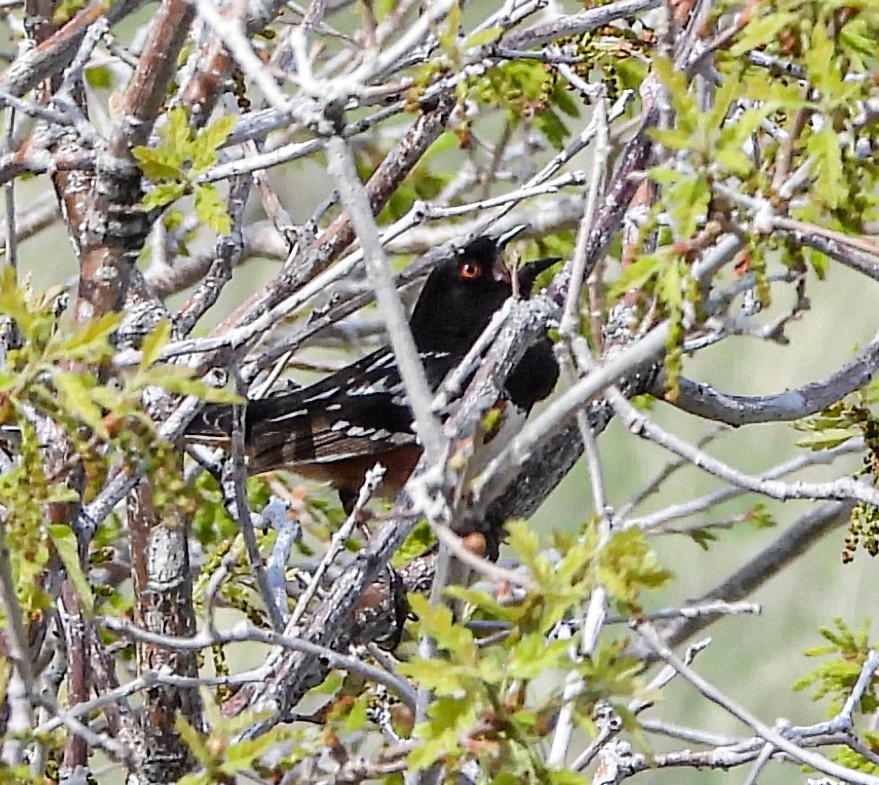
(337,429)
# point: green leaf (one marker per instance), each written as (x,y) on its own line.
(440,735)
(211,210)
(65,543)
(665,175)
(242,754)
(448,36)
(673,138)
(177,379)
(173,219)
(735,161)
(419,540)
(151,348)
(90,342)
(857,37)
(202,777)
(99,76)
(568,777)
(12,301)
(682,100)
(108,397)
(817,260)
(483,601)
(824,148)
(482,37)
(702,537)
(163,194)
(552,127)
(383,8)
(628,566)
(330,685)
(209,141)
(62,494)
(726,94)
(826,439)
(565,101)
(689,199)
(760,31)
(524,543)
(760,89)
(357,718)
(822,64)
(670,286)
(75,393)
(441,679)
(437,621)
(156,163)
(637,274)
(195,742)
(533,656)
(429,752)
(177,135)
(760,517)
(749,121)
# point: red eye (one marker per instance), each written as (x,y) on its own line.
(469,271)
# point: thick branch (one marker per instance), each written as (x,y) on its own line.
(703,400)
(791,544)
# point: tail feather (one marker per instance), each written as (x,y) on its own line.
(212,423)
(279,432)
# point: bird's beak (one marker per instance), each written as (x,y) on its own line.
(527,274)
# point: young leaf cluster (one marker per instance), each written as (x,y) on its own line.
(846,651)
(58,388)
(719,162)
(181,156)
(496,703)
(270,755)
(834,426)
(527,91)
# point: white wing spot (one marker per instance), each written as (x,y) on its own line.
(320,396)
(381,362)
(377,387)
(339,425)
(289,415)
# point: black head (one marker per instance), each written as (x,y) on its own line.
(463,292)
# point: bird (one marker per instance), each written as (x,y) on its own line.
(338,428)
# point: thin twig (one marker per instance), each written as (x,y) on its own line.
(709,691)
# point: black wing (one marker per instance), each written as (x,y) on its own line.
(358,411)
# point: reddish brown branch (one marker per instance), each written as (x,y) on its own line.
(78,683)
(116,227)
(163,604)
(214,64)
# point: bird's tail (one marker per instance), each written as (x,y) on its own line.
(212,424)
(278,431)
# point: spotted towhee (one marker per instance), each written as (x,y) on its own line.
(337,429)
